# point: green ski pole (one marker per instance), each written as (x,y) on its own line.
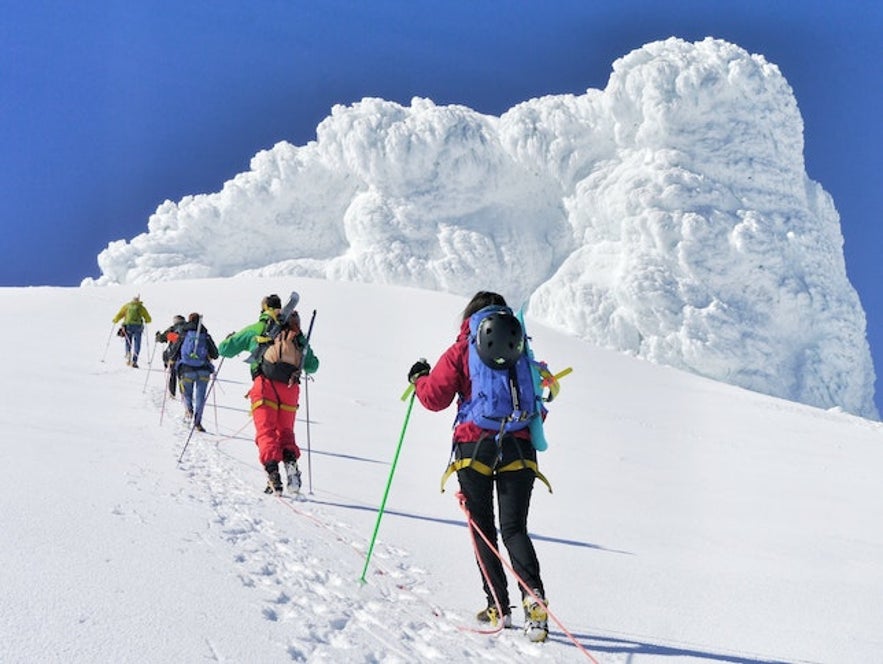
(388,482)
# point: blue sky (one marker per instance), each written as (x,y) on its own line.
(110,108)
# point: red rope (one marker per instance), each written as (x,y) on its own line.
(318,522)
(233,435)
(486,576)
(475,529)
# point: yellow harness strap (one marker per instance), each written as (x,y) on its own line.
(272,404)
(202,379)
(484,469)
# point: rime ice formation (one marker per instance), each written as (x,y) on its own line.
(669,216)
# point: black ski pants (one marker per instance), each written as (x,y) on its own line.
(513,489)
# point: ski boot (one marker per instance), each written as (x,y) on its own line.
(274,479)
(536,618)
(292,472)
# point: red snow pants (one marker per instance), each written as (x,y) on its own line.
(273,408)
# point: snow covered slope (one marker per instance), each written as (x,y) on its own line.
(691,521)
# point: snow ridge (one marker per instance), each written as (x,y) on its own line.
(669,216)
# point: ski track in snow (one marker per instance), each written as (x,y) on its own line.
(304,567)
(302,564)
(656,552)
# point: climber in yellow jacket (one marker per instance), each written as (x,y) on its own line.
(133,314)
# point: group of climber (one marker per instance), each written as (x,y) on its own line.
(487,370)
(279,355)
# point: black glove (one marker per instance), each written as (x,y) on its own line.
(420,368)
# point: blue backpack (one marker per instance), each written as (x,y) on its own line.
(503,399)
(194,349)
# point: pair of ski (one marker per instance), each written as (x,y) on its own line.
(279,323)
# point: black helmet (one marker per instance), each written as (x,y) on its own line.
(499,340)
(271,302)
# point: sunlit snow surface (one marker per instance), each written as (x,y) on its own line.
(691,522)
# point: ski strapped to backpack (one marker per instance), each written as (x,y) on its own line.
(278,356)
(280,322)
(273,327)
(537,432)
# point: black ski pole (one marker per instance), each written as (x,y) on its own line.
(307,399)
(307,380)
